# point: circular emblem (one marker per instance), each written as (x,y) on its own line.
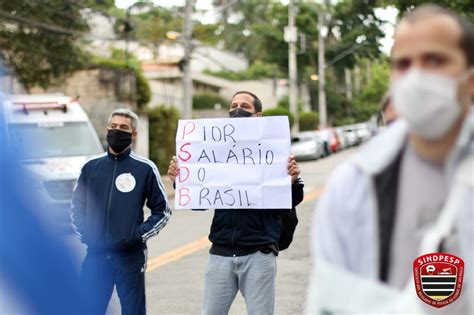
(125,182)
(438,278)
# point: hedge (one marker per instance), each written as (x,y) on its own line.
(163,123)
(279,111)
(207,101)
(308,121)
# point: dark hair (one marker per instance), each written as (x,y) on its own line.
(257,103)
(467,29)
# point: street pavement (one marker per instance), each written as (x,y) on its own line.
(177,257)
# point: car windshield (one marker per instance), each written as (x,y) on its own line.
(46,140)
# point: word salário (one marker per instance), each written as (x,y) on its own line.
(233,163)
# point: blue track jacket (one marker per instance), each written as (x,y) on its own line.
(107,204)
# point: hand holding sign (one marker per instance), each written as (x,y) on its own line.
(293,169)
(233,163)
(173,170)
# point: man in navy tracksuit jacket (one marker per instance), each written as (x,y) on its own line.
(107,212)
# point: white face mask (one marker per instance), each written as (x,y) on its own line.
(427,101)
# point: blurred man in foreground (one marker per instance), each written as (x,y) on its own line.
(379,207)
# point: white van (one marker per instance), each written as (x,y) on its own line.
(54,138)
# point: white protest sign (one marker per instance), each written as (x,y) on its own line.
(233,163)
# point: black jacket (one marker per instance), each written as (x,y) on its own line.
(107,204)
(243,231)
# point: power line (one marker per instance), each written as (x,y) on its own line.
(51,27)
(48,27)
(344,54)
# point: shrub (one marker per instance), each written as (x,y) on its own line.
(207,100)
(279,111)
(308,121)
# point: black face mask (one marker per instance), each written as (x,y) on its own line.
(118,140)
(238,113)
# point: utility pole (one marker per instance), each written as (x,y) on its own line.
(127,29)
(187,80)
(321,73)
(348,85)
(291,37)
(357,80)
(369,71)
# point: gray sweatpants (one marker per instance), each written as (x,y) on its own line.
(254,275)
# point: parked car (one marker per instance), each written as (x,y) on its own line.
(351,136)
(363,132)
(53,137)
(342,138)
(307,146)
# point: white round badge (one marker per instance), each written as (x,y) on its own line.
(125,182)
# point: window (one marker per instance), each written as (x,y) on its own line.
(53,140)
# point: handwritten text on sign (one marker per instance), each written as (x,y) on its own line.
(233,163)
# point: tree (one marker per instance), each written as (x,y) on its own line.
(256,30)
(41,40)
(353,32)
(367,103)
(150,24)
(240,26)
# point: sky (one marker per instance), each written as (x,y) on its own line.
(388,14)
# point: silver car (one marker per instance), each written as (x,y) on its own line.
(307,146)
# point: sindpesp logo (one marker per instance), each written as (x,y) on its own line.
(438,278)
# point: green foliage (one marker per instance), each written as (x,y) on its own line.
(163,125)
(353,24)
(258,34)
(41,40)
(308,121)
(207,100)
(368,102)
(99,4)
(142,88)
(284,102)
(118,61)
(206,33)
(258,70)
(338,107)
(240,27)
(279,111)
(152,23)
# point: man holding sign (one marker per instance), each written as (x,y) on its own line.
(245,230)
